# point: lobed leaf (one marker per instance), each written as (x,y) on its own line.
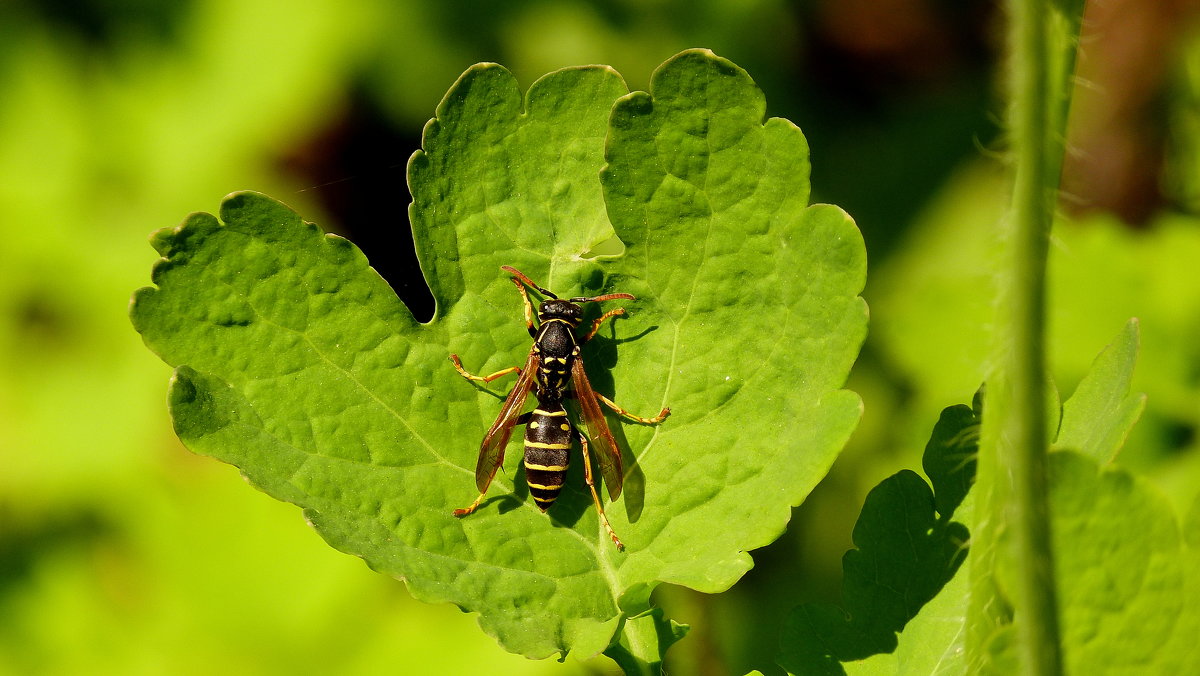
(906,551)
(751,318)
(296,362)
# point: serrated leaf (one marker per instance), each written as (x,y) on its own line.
(1098,417)
(904,557)
(905,554)
(755,316)
(298,364)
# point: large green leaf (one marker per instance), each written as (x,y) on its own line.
(751,320)
(298,364)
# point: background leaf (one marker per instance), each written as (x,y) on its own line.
(949,459)
(905,553)
(1126,579)
(1098,417)
(297,363)
(1128,586)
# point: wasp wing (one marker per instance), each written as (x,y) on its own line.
(610,455)
(491,451)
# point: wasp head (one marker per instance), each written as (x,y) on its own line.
(556,308)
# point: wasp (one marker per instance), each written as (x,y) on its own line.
(554,372)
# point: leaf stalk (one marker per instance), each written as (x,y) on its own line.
(637,650)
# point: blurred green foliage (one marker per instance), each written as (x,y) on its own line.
(122,553)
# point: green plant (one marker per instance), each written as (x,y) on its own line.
(296,363)
(1124,573)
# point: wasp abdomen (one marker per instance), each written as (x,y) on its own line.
(547,452)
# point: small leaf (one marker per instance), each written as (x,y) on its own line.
(654,634)
(932,641)
(1121,578)
(905,555)
(1098,417)
(1128,588)
(949,459)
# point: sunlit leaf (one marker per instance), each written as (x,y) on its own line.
(1098,417)
(298,364)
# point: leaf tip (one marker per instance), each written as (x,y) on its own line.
(1133,328)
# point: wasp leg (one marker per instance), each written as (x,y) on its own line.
(662,415)
(591,484)
(522,419)
(596,324)
(487,379)
(528,306)
(467,510)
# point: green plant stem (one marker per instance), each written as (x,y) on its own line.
(1025,441)
(637,651)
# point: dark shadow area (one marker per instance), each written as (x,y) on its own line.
(357,170)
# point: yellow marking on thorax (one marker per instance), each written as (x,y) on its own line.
(545,468)
(541,412)
(534,424)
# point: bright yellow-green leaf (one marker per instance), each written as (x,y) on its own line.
(296,362)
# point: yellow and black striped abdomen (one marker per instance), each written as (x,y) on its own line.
(547,452)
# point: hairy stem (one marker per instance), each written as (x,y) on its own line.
(1024,439)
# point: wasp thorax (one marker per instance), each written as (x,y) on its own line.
(560,309)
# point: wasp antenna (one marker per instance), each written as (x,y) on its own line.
(607,296)
(528,282)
